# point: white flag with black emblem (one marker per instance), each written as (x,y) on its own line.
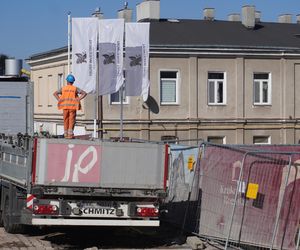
(84,49)
(111,35)
(137,59)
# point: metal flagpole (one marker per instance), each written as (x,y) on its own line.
(69,41)
(122,93)
(96,101)
(121,112)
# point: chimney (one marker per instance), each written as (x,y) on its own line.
(234,17)
(298,18)
(209,14)
(257,16)
(97,13)
(125,13)
(248,16)
(285,18)
(13,67)
(148,9)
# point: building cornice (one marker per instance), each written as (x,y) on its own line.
(181,50)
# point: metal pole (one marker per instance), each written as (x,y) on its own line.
(69,41)
(96,101)
(298,240)
(95,126)
(121,112)
(95,113)
(278,212)
(235,200)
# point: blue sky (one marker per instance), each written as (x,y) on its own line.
(33,26)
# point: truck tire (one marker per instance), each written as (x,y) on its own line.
(8,226)
(1,219)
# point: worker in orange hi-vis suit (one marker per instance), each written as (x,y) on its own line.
(68,98)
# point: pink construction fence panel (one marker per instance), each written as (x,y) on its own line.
(267,206)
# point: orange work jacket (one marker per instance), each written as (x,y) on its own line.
(69,98)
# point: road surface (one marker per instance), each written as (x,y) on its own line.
(93,238)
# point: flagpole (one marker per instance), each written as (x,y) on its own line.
(122,93)
(121,112)
(69,41)
(96,106)
(96,99)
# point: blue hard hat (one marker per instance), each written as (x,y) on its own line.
(70,78)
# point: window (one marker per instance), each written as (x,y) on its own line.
(216,88)
(50,90)
(115,98)
(40,91)
(216,139)
(118,139)
(169,139)
(60,81)
(261,140)
(262,89)
(169,81)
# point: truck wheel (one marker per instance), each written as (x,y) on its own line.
(8,226)
(1,219)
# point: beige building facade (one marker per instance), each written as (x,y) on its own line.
(232,94)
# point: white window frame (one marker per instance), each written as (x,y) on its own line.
(261,81)
(40,88)
(219,137)
(125,100)
(60,80)
(50,98)
(176,88)
(216,81)
(171,139)
(262,143)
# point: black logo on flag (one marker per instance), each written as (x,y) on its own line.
(81,57)
(135,60)
(109,58)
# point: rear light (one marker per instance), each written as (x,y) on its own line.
(45,209)
(147,211)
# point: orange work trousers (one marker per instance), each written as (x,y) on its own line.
(69,122)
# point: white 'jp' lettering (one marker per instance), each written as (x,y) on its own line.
(77,166)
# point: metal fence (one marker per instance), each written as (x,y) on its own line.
(182,185)
(240,195)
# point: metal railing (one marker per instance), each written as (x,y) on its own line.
(218,202)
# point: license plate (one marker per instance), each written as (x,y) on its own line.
(99,211)
(105,209)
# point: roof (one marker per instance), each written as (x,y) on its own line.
(224,34)
(186,33)
(49,53)
(13,79)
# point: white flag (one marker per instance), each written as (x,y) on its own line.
(84,49)
(111,34)
(137,59)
